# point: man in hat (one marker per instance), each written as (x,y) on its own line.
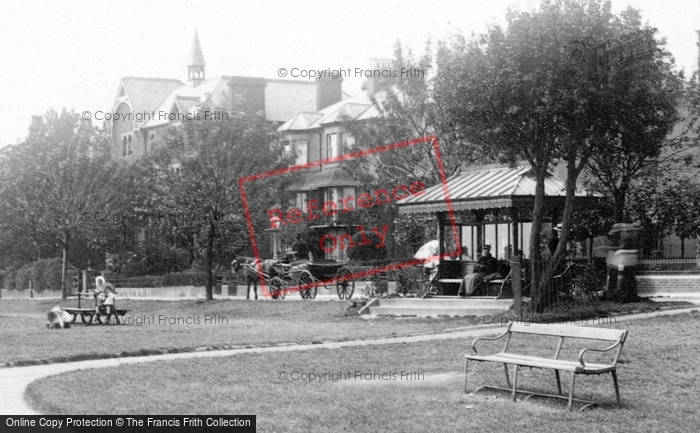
(486,269)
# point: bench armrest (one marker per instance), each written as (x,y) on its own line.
(488,338)
(580,355)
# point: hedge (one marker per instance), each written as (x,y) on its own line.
(45,275)
(185,279)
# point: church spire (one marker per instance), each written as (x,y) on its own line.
(195,69)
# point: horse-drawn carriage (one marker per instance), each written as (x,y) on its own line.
(307,275)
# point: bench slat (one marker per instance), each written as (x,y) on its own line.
(570,331)
(534,361)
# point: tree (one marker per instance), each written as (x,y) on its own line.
(57,179)
(198,167)
(405,111)
(511,93)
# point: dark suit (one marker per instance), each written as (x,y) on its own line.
(486,269)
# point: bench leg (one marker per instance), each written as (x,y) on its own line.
(556,372)
(571,391)
(515,380)
(466,367)
(617,388)
(505,368)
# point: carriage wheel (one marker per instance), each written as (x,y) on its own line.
(86,318)
(306,278)
(277,288)
(345,288)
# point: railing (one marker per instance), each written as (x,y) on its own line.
(573,282)
(666,266)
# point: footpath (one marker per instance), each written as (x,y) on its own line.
(14,380)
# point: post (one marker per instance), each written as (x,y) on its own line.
(516,272)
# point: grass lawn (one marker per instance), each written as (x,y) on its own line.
(657,372)
(238,322)
(232,323)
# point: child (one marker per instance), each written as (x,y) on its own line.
(104,294)
(98,290)
(109,296)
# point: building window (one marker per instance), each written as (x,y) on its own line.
(301,148)
(348,143)
(348,191)
(332,145)
(301,200)
(126,144)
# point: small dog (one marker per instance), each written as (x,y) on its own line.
(57,318)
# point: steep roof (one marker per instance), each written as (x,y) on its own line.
(147,94)
(188,98)
(196,58)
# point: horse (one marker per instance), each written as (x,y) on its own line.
(250,271)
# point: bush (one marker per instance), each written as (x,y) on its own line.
(52,274)
(408,279)
(185,279)
(38,275)
(22,277)
(9,280)
(368,252)
(45,275)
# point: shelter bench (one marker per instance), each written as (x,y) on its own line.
(575,367)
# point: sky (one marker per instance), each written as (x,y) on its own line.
(72,54)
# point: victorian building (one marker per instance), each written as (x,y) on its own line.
(146,107)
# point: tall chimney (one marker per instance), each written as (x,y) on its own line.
(329,90)
(382,75)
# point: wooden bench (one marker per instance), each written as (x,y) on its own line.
(575,367)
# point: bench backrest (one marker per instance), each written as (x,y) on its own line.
(570,331)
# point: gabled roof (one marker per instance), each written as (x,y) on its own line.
(187,99)
(147,94)
(356,107)
(301,121)
(348,111)
(486,188)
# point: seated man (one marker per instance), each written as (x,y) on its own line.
(486,269)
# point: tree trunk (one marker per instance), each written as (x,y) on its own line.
(546,292)
(210,262)
(535,238)
(682,248)
(64,265)
(697,250)
(619,202)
